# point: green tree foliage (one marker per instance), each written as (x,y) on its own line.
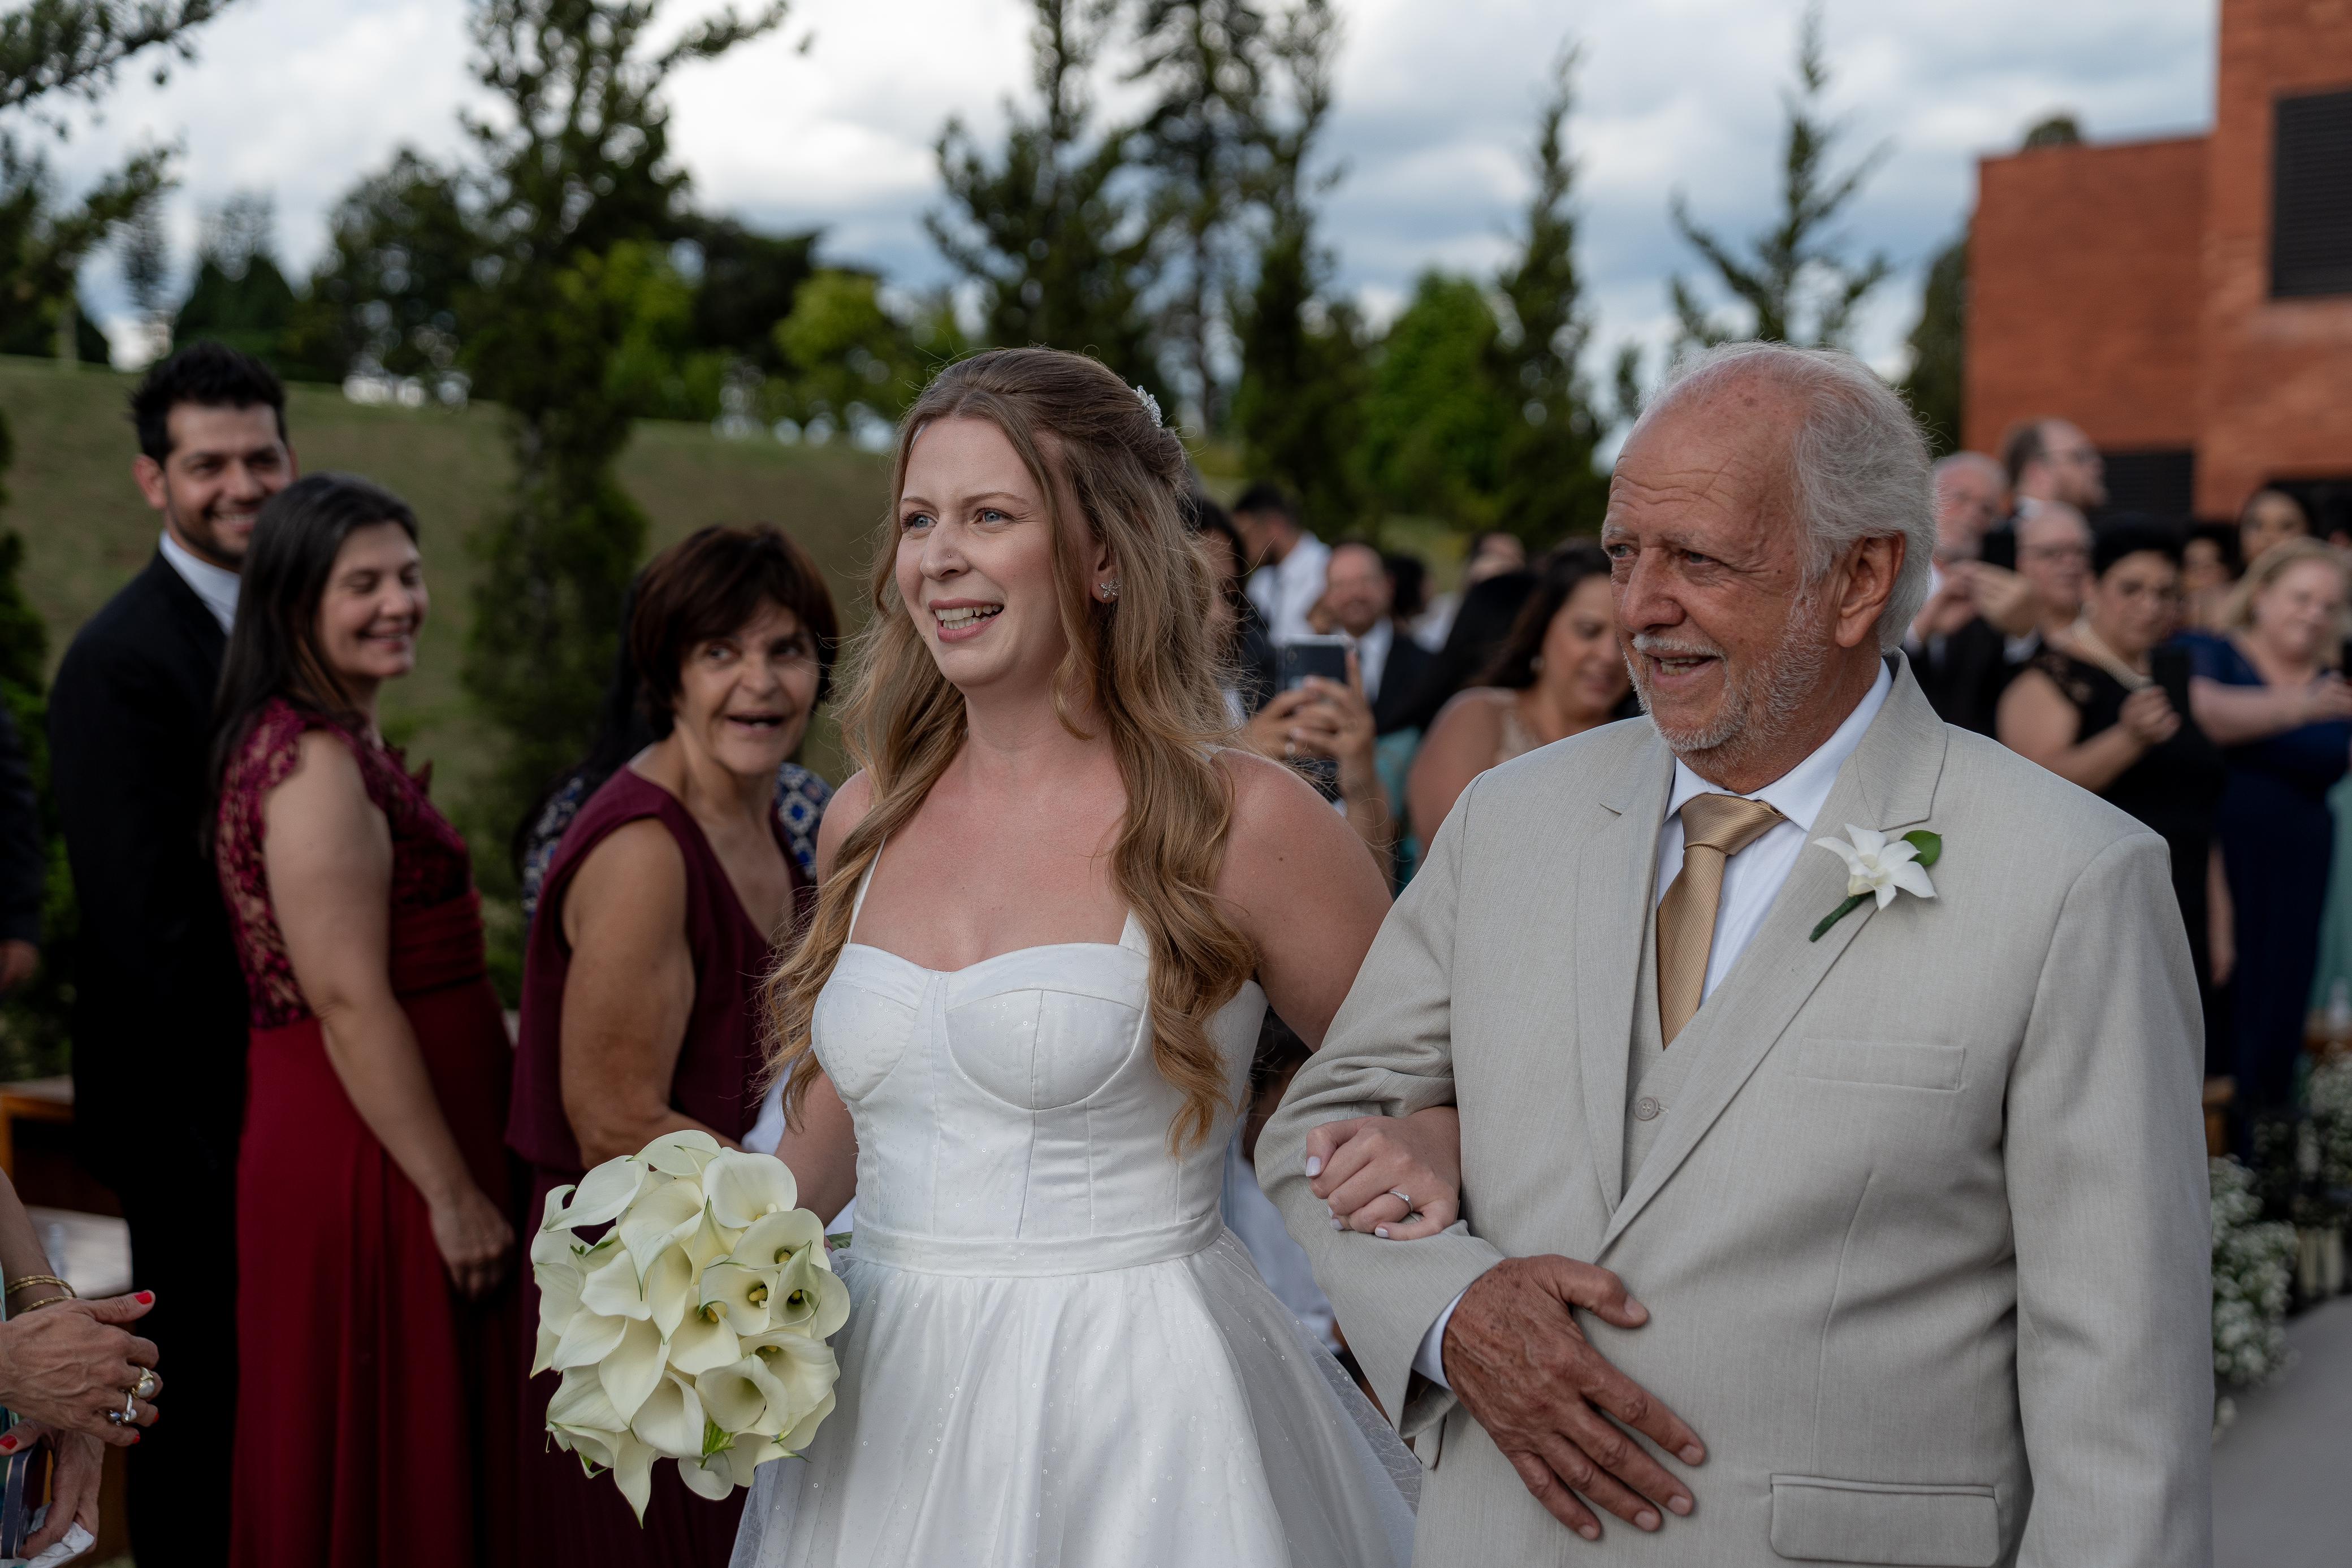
(1547,484)
(1298,409)
(239,295)
(1797,282)
(1062,248)
(1937,381)
(1205,149)
(43,244)
(74,48)
(1434,422)
(848,360)
(576,168)
(2060,130)
(398,271)
(746,284)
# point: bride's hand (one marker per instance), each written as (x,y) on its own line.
(1360,1166)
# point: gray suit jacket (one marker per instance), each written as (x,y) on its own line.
(1923,1233)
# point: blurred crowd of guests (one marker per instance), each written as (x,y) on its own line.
(339,1142)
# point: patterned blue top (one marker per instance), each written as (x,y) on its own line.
(801,797)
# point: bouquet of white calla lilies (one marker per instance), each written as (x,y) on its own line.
(694,1330)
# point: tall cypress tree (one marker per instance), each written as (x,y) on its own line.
(1547,484)
(580,168)
(1796,279)
(1937,381)
(1063,252)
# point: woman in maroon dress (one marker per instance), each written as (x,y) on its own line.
(653,929)
(375,1311)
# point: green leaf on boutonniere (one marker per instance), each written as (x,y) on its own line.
(1929,845)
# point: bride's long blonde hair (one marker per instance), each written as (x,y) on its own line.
(1144,667)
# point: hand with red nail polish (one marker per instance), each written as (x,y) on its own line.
(67,1365)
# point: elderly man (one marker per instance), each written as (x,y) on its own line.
(2053,557)
(1958,641)
(1880,1220)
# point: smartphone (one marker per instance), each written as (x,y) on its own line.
(1324,656)
(2169,667)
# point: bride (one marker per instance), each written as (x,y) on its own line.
(1052,915)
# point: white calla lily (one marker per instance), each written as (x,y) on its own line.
(1879,866)
(579,1405)
(772,1239)
(810,1297)
(600,1196)
(586,1340)
(670,1420)
(748,1453)
(797,1440)
(681,1154)
(742,1293)
(633,1473)
(669,1290)
(612,1287)
(712,1478)
(710,1240)
(803,1370)
(744,1187)
(735,1396)
(634,1368)
(702,1342)
(667,1214)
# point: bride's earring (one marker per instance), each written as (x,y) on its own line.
(1109,591)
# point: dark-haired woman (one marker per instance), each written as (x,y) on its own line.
(657,919)
(375,1334)
(2090,709)
(1561,673)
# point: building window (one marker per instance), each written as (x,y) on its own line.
(2163,483)
(2311,196)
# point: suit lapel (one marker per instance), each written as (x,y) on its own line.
(1889,783)
(1620,865)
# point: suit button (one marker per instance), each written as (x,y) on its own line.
(1646,1109)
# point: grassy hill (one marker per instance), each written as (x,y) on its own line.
(87,531)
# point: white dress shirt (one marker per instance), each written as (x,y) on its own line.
(1372,655)
(1286,590)
(1752,881)
(216,585)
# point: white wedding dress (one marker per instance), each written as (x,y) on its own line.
(1057,1353)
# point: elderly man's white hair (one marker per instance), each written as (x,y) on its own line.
(1859,464)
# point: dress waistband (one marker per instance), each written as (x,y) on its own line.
(1036,1256)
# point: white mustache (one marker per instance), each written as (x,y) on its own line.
(1658,647)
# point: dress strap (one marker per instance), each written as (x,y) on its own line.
(858,906)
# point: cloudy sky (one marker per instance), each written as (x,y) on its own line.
(298,97)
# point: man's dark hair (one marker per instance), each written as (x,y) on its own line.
(2024,443)
(1266,495)
(2129,535)
(210,375)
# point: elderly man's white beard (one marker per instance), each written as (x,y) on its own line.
(1758,703)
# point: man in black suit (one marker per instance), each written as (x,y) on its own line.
(159,1012)
(1356,596)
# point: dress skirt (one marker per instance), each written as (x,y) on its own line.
(1167,1414)
(375,1421)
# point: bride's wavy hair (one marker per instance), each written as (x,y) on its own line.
(1144,667)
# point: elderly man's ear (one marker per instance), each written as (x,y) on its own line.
(1864,580)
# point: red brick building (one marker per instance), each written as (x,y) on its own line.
(2188,301)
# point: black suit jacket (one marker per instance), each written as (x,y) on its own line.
(1963,675)
(1402,678)
(159,1001)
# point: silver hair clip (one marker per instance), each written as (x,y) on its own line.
(1151,405)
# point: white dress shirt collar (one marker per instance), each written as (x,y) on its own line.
(1801,792)
(216,585)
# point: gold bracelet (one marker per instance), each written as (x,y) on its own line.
(22,1280)
(45,1302)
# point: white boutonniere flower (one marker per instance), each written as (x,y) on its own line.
(1879,867)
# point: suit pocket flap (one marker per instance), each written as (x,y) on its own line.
(1895,1062)
(1816,1520)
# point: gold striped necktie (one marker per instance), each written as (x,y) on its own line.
(1715,829)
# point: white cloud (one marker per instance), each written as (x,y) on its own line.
(1435,105)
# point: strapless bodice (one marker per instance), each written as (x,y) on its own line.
(1010,1117)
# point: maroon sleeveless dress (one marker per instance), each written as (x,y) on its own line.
(569,1520)
(376,1408)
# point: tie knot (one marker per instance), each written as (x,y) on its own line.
(1724,822)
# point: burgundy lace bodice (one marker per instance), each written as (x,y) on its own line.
(429,863)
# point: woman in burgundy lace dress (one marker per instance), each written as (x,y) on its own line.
(376,1330)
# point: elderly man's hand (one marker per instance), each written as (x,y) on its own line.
(69,1364)
(1518,1361)
(2004,598)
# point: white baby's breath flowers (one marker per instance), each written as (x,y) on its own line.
(694,1330)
